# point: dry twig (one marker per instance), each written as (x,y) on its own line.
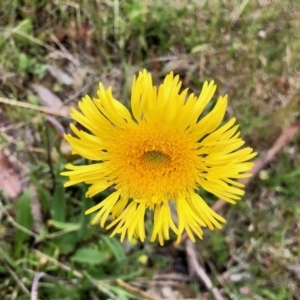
(34,287)
(136,290)
(199,271)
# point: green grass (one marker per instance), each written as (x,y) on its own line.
(252,53)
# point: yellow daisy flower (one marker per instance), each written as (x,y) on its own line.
(157,156)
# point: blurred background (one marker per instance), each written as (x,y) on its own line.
(54,52)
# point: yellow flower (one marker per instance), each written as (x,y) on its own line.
(157,156)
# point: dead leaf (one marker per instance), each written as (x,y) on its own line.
(9,179)
(50,100)
(60,75)
(244,290)
(59,128)
(79,74)
(179,65)
(295,269)
(66,150)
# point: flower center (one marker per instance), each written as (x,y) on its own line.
(150,161)
(155,158)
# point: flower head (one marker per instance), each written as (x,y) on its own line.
(158,155)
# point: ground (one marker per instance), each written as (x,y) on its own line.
(55,52)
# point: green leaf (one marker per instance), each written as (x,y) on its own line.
(44,195)
(89,256)
(24,219)
(115,247)
(67,243)
(290,175)
(23,32)
(4,255)
(63,225)
(84,231)
(200,48)
(23,63)
(58,210)
(24,26)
